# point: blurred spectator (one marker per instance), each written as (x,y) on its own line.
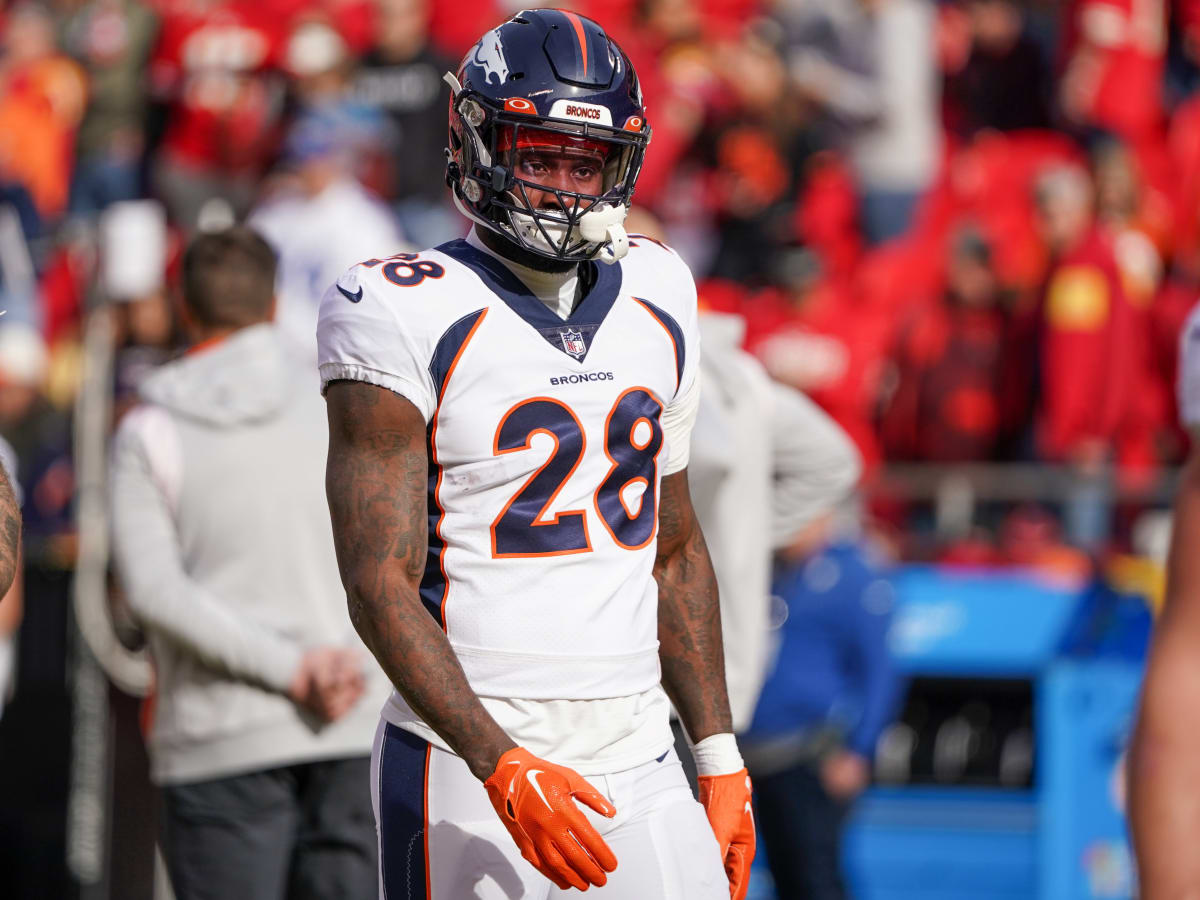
(19,225)
(401,75)
(823,336)
(826,215)
(949,403)
(1002,82)
(895,158)
(830,51)
(1115,52)
(319,66)
(757,151)
(765,462)
(991,180)
(1031,538)
(831,692)
(263,720)
(23,366)
(1168,316)
(870,65)
(42,95)
(215,74)
(675,65)
(112,40)
(1087,358)
(41,436)
(320,221)
(1183,149)
(1138,224)
(1138,219)
(133,251)
(317,61)
(1089,353)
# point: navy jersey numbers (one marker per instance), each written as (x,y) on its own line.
(406,269)
(517,531)
(626,499)
(632,437)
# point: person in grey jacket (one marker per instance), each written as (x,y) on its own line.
(766,464)
(265,710)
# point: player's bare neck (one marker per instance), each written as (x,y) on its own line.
(519,255)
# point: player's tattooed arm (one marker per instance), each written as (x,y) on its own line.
(10,533)
(689,616)
(376,482)
(1164,754)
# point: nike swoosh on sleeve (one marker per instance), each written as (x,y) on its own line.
(353,298)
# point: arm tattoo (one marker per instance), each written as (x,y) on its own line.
(689,616)
(10,534)
(376,483)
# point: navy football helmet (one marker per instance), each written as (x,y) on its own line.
(546,78)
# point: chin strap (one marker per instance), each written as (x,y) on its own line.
(603,225)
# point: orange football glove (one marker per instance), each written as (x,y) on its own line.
(536,802)
(726,800)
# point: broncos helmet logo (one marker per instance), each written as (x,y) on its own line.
(489,56)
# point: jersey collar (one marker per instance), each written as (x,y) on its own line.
(584,321)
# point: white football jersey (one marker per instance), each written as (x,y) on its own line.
(1189,371)
(546,449)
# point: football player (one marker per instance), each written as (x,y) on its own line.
(509,421)
(1164,756)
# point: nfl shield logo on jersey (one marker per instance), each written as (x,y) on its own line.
(573,342)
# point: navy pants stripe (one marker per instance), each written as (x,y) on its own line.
(403,782)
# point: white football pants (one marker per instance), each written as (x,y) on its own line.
(440,838)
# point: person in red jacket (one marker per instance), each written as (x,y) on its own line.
(1088,348)
(1114,53)
(949,363)
(217,72)
(1084,322)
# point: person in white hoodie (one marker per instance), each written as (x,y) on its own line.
(265,709)
(321,219)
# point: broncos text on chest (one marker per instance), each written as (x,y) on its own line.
(581,378)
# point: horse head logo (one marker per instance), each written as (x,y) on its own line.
(489,56)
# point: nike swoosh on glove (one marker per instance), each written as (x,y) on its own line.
(535,800)
(726,800)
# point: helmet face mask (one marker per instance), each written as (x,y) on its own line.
(546,217)
(595,116)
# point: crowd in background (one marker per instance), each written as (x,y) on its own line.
(970,229)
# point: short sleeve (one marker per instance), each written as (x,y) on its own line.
(1189,371)
(361,338)
(677,421)
(680,414)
